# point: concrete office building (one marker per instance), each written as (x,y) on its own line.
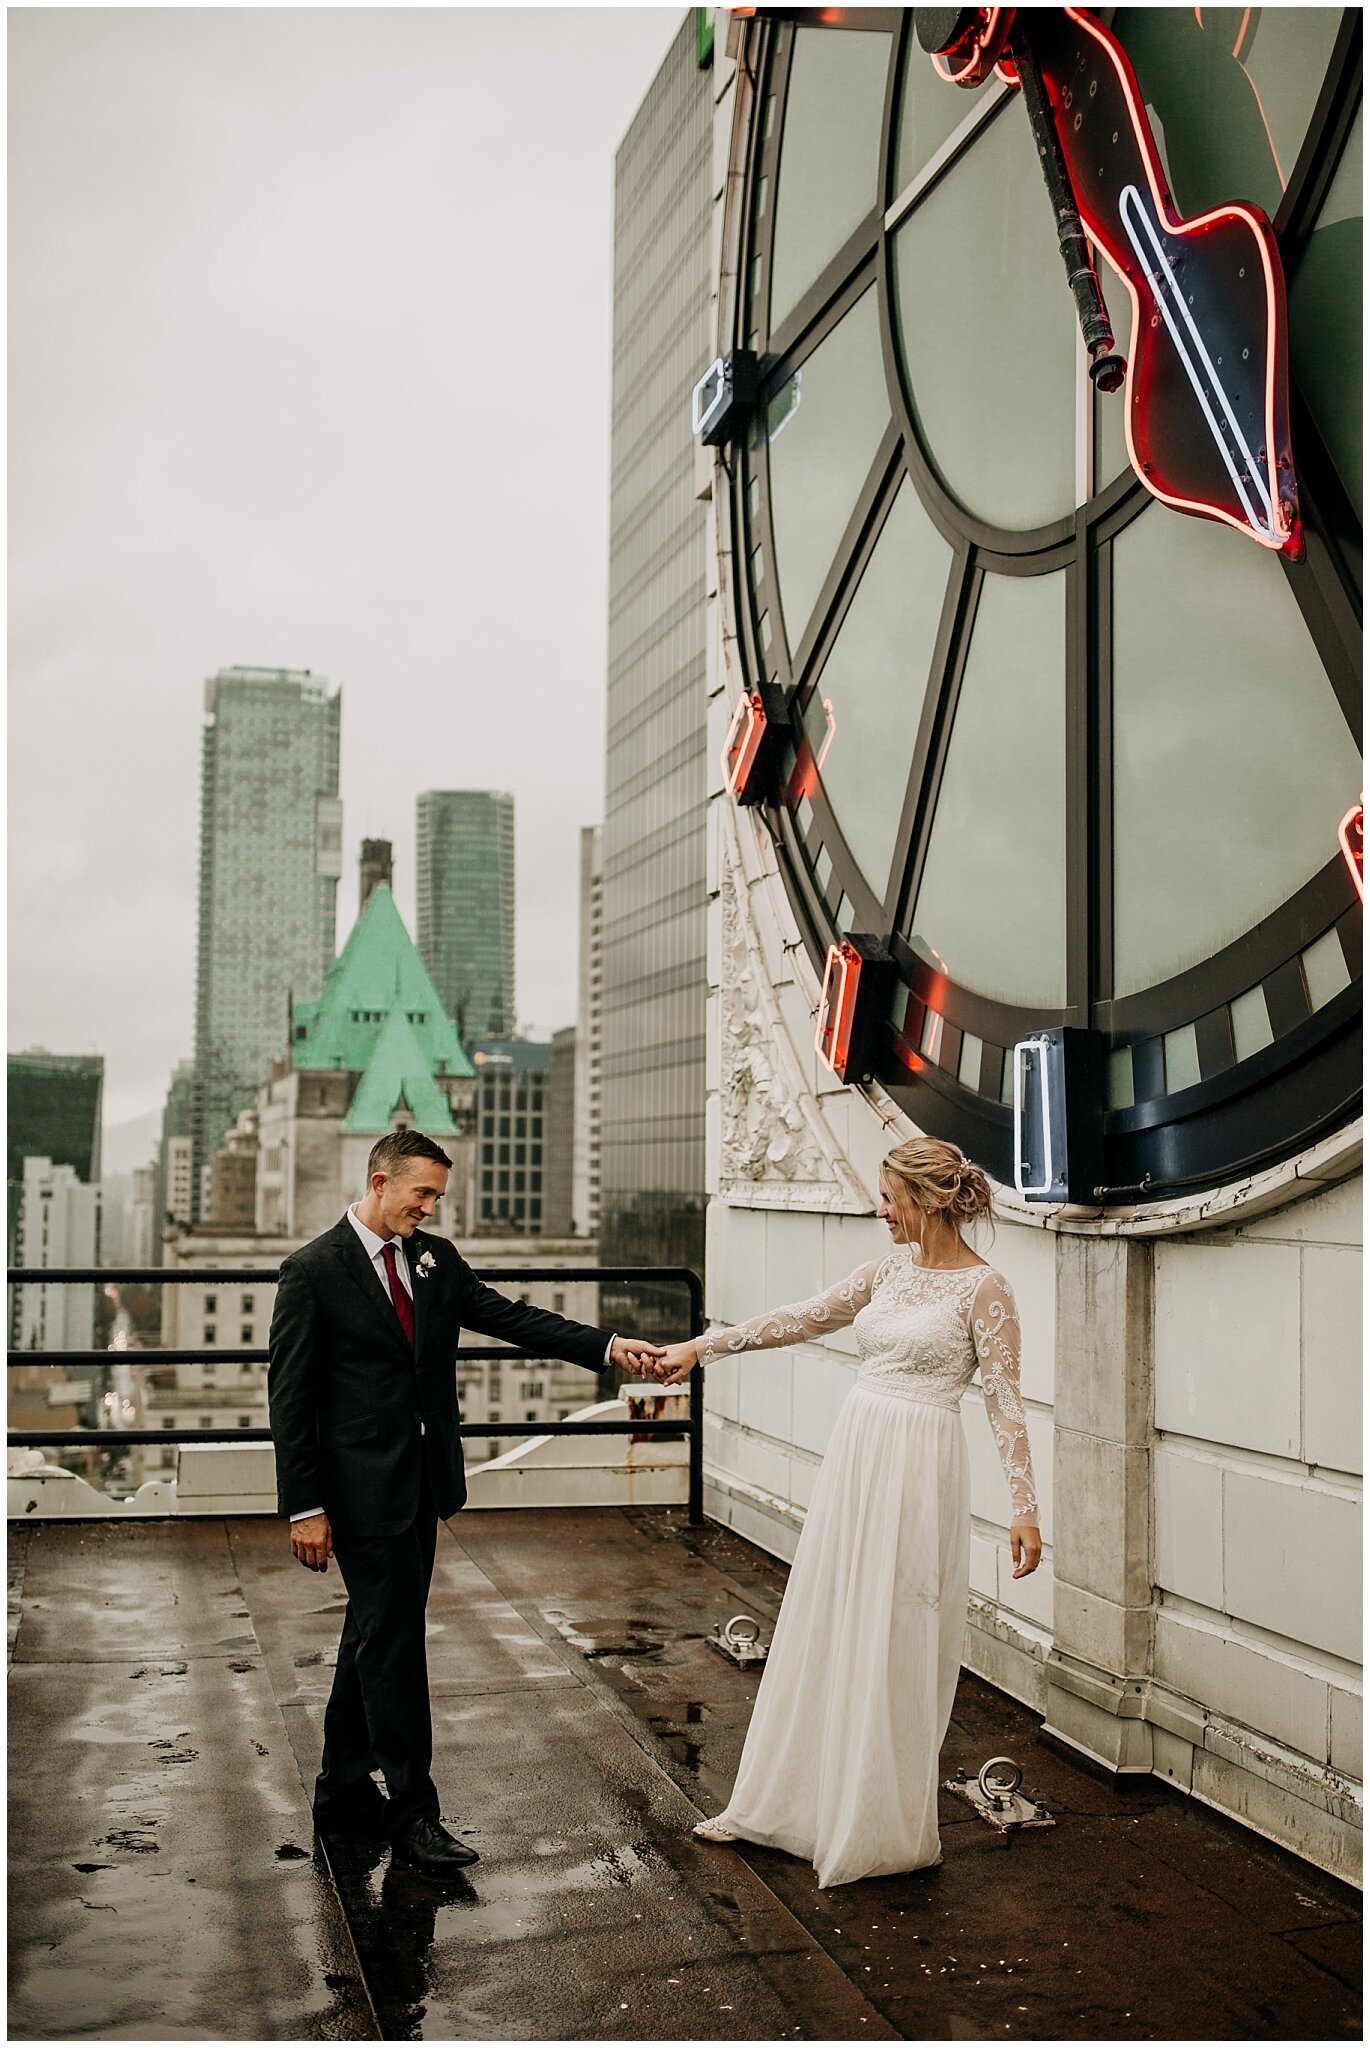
(559,1134)
(511,1130)
(652,1063)
(585,1167)
(464,919)
(52,1111)
(58,1225)
(270,859)
(1072,757)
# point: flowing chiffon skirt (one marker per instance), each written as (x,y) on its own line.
(840,1761)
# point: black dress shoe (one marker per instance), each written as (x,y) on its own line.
(427,1844)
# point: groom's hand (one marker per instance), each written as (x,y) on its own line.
(634,1354)
(311,1540)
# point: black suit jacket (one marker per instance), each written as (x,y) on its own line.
(356,1412)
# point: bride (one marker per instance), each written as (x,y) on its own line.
(840,1761)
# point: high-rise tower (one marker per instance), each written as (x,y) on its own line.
(465,905)
(652,1076)
(270,858)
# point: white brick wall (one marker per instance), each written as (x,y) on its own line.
(1257,1515)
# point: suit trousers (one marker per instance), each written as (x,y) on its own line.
(378,1715)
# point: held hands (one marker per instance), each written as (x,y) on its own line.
(634,1354)
(676,1363)
(1025,1541)
(311,1541)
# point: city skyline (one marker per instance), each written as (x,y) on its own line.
(254,424)
(270,862)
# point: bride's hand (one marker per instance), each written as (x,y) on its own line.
(1025,1541)
(677,1363)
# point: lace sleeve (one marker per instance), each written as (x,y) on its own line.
(996,1335)
(797,1323)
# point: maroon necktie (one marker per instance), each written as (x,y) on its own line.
(399,1294)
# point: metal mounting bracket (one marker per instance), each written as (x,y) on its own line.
(995,1796)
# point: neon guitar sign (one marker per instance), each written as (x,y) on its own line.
(1207,375)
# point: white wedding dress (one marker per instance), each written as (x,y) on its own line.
(840,1761)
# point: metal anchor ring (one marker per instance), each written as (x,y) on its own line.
(743,1630)
(1000,1777)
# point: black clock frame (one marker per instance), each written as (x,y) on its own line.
(1240,1116)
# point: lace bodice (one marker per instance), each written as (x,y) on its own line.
(921,1332)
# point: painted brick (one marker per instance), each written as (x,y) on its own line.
(1318,1836)
(1333,1362)
(1103,1338)
(1291,1561)
(1333,1216)
(1172,1758)
(1033,1597)
(1187,1527)
(1227,1338)
(989,1494)
(984,1566)
(1027,1259)
(794,1258)
(1099,1631)
(866,1139)
(1101,1542)
(759,1463)
(803,1479)
(1348,1710)
(721,1393)
(736,1262)
(821,1385)
(1244,1682)
(765,1380)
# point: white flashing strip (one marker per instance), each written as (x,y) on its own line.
(1166,291)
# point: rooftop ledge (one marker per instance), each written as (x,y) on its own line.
(166,1687)
(240,1479)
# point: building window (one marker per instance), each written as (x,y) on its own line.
(211,1304)
(168,1422)
(206,1422)
(559,1302)
(211,1334)
(245,1334)
(247,1304)
(244,1422)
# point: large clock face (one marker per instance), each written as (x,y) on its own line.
(1075,757)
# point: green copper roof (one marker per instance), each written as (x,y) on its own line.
(396,1073)
(378,977)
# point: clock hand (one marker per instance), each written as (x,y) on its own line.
(1248,478)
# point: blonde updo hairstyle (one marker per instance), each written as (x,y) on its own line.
(939,1179)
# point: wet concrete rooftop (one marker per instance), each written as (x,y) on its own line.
(166,1690)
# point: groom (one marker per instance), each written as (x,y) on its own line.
(362,1388)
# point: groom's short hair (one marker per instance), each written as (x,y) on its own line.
(389,1153)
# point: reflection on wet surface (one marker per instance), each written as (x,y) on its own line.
(165,1878)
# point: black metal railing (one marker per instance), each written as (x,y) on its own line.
(225,1276)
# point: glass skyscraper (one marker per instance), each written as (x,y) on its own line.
(652,1079)
(465,906)
(270,858)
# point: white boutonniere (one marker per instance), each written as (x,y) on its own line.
(425,1264)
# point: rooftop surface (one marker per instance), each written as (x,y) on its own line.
(167,1682)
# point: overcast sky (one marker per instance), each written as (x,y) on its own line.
(310,317)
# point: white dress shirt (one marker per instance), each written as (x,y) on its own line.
(375,1251)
